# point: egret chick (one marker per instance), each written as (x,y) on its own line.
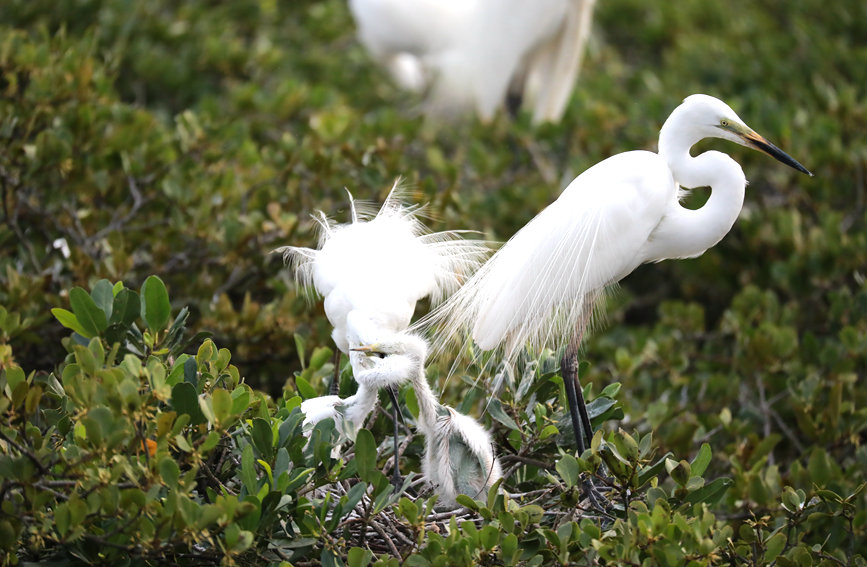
(366,294)
(459,453)
(542,286)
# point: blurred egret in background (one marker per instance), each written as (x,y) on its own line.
(542,287)
(459,454)
(371,272)
(470,54)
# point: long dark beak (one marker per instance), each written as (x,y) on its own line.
(761,144)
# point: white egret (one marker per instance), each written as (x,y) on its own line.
(459,453)
(542,286)
(470,53)
(371,272)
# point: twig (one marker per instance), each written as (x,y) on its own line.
(824,555)
(790,435)
(117,222)
(25,451)
(387,539)
(766,414)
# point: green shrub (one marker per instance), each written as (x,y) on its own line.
(188,140)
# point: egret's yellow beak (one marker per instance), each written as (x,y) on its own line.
(367,349)
(754,140)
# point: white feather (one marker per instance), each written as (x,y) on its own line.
(459,454)
(371,272)
(471,51)
(379,267)
(542,284)
(541,287)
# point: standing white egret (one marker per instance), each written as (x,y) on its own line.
(459,453)
(541,287)
(366,293)
(470,53)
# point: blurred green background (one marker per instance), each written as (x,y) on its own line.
(190,139)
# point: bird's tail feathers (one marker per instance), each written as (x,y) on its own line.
(553,67)
(510,312)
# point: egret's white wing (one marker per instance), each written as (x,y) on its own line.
(493,42)
(383,265)
(319,408)
(536,288)
(469,51)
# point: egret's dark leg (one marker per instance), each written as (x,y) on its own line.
(396,479)
(575,396)
(569,370)
(580,419)
(334,389)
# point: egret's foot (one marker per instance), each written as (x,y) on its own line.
(396,479)
(596,496)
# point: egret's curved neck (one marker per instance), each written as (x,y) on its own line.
(684,232)
(427,402)
(364,399)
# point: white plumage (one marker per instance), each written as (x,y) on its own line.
(459,453)
(348,413)
(371,272)
(470,53)
(540,287)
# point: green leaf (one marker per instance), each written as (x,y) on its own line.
(221,402)
(701,461)
(650,472)
(354,495)
(509,549)
(155,307)
(710,493)
(610,391)
(774,546)
(358,557)
(299,349)
(61,519)
(185,401)
(248,470)
(320,356)
(599,406)
(495,408)
(568,469)
(408,509)
(680,473)
(488,537)
(125,307)
(176,331)
(411,402)
(103,296)
(467,502)
(70,321)
(169,471)
(263,437)
(365,454)
(328,559)
(90,316)
(548,431)
(819,465)
(14,376)
(304,388)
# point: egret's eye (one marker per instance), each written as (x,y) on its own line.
(380,354)
(723,122)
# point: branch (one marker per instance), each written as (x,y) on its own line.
(42,468)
